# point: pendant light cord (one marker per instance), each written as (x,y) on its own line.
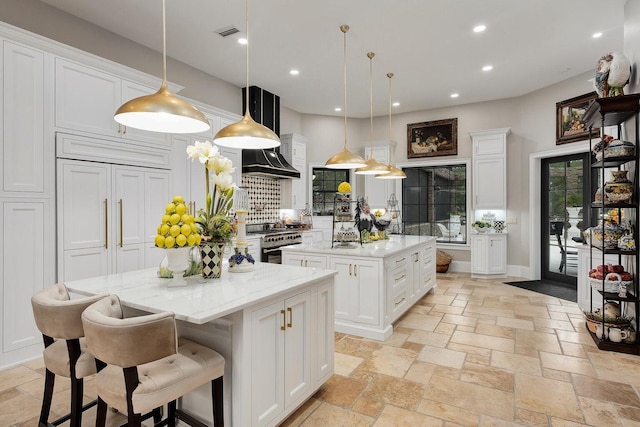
(344,29)
(390,75)
(164,43)
(246,28)
(370,55)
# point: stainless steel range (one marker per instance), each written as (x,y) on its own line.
(274,240)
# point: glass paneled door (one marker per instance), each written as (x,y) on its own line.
(565,205)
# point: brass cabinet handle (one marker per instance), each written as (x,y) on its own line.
(355,270)
(124,129)
(106,224)
(284,320)
(417,257)
(301,261)
(306,263)
(121,223)
(290,324)
(350,271)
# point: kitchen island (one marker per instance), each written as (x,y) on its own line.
(274,327)
(376,283)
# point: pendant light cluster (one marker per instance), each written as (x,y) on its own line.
(162,111)
(246,133)
(393,172)
(345,159)
(372,166)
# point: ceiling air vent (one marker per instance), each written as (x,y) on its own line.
(227,31)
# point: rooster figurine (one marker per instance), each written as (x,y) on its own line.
(612,74)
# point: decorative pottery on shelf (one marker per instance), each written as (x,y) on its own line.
(212,254)
(606,234)
(619,189)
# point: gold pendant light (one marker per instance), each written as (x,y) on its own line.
(162,111)
(373,167)
(246,133)
(345,159)
(393,172)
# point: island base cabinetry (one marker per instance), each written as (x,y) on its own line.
(277,353)
(372,292)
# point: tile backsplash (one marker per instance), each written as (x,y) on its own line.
(264,198)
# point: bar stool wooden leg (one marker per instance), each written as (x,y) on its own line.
(49,382)
(101,413)
(217,399)
(171,414)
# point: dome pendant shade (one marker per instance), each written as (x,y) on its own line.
(345,160)
(161,112)
(247,134)
(393,173)
(373,167)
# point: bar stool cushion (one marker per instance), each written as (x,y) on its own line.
(163,380)
(56,359)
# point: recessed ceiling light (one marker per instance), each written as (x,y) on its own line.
(479,28)
(242,40)
(454,95)
(487,68)
(337,109)
(396,104)
(294,72)
(597,35)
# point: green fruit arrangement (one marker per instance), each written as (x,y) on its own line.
(481,224)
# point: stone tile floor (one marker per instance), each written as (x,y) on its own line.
(472,353)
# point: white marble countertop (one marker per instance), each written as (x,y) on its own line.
(201,300)
(379,249)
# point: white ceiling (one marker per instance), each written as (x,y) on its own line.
(428,44)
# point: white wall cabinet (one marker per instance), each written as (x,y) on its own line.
(378,191)
(294,191)
(489,169)
(489,255)
(27,252)
(108,216)
(86,99)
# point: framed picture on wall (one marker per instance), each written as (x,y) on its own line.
(570,125)
(435,138)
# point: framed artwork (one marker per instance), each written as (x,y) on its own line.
(570,125)
(429,139)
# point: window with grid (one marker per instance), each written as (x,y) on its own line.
(325,185)
(434,202)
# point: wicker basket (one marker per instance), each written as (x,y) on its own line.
(610,285)
(443,260)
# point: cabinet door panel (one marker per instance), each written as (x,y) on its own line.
(85,205)
(130,199)
(156,197)
(267,363)
(490,194)
(23,150)
(130,258)
(497,255)
(24,243)
(297,350)
(368,291)
(324,353)
(345,297)
(85,263)
(86,98)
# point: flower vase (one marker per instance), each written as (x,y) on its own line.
(212,255)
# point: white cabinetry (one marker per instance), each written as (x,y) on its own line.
(27,252)
(86,99)
(304,260)
(488,255)
(357,289)
(107,217)
(294,191)
(290,346)
(489,168)
(378,191)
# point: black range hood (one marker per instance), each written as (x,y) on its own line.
(264,108)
